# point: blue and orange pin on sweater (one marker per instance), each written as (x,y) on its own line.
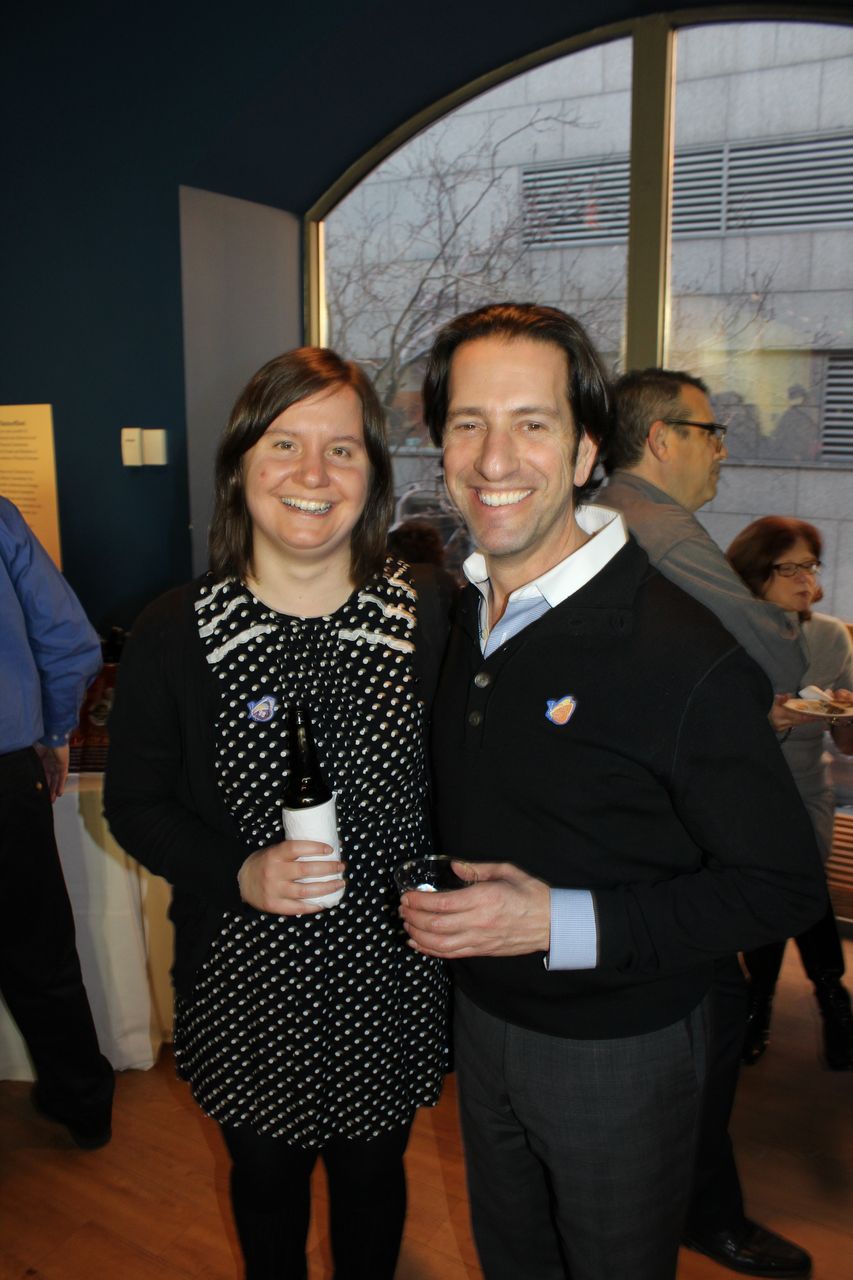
(560,710)
(264,709)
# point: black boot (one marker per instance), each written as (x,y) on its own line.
(757,1033)
(834,1001)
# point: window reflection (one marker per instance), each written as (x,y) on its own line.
(762,294)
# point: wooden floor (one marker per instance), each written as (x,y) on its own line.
(154,1202)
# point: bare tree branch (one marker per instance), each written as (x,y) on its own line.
(450,238)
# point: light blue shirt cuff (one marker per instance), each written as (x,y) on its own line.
(574,932)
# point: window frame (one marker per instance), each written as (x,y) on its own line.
(651,159)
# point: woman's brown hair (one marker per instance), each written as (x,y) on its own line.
(761,544)
(283,382)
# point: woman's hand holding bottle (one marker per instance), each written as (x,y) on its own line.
(273,879)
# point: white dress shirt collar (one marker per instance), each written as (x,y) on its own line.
(608,534)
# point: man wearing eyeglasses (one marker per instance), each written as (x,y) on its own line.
(664,464)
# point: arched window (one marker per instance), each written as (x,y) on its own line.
(687,192)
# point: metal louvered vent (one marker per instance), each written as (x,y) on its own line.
(575,203)
(790,184)
(731,188)
(697,192)
(837,418)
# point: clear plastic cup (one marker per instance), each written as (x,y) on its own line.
(428,875)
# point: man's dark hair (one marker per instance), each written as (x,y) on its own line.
(640,398)
(283,382)
(588,383)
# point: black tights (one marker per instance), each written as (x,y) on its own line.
(271,1199)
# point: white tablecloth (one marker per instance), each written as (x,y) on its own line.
(123,938)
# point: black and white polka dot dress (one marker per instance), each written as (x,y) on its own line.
(309,1027)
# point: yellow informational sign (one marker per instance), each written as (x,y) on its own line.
(28,470)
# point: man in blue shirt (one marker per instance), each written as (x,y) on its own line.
(48,656)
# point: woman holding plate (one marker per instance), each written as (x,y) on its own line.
(779,560)
(305,1025)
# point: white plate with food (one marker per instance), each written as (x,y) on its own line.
(825,708)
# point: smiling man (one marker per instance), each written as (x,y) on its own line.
(513,483)
(587,786)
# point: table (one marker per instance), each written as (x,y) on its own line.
(124,938)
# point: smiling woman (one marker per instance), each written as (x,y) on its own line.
(278,412)
(306,1027)
(306,483)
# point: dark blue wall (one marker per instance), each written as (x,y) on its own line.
(106,112)
(110,115)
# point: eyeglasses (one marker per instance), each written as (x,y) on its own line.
(790,568)
(716,429)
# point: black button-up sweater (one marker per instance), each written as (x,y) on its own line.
(664,792)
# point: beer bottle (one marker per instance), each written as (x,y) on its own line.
(309,805)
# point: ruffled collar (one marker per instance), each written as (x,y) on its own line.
(381,613)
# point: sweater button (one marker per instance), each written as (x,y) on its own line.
(482,679)
(475,718)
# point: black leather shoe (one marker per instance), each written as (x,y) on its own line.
(87,1136)
(752,1250)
